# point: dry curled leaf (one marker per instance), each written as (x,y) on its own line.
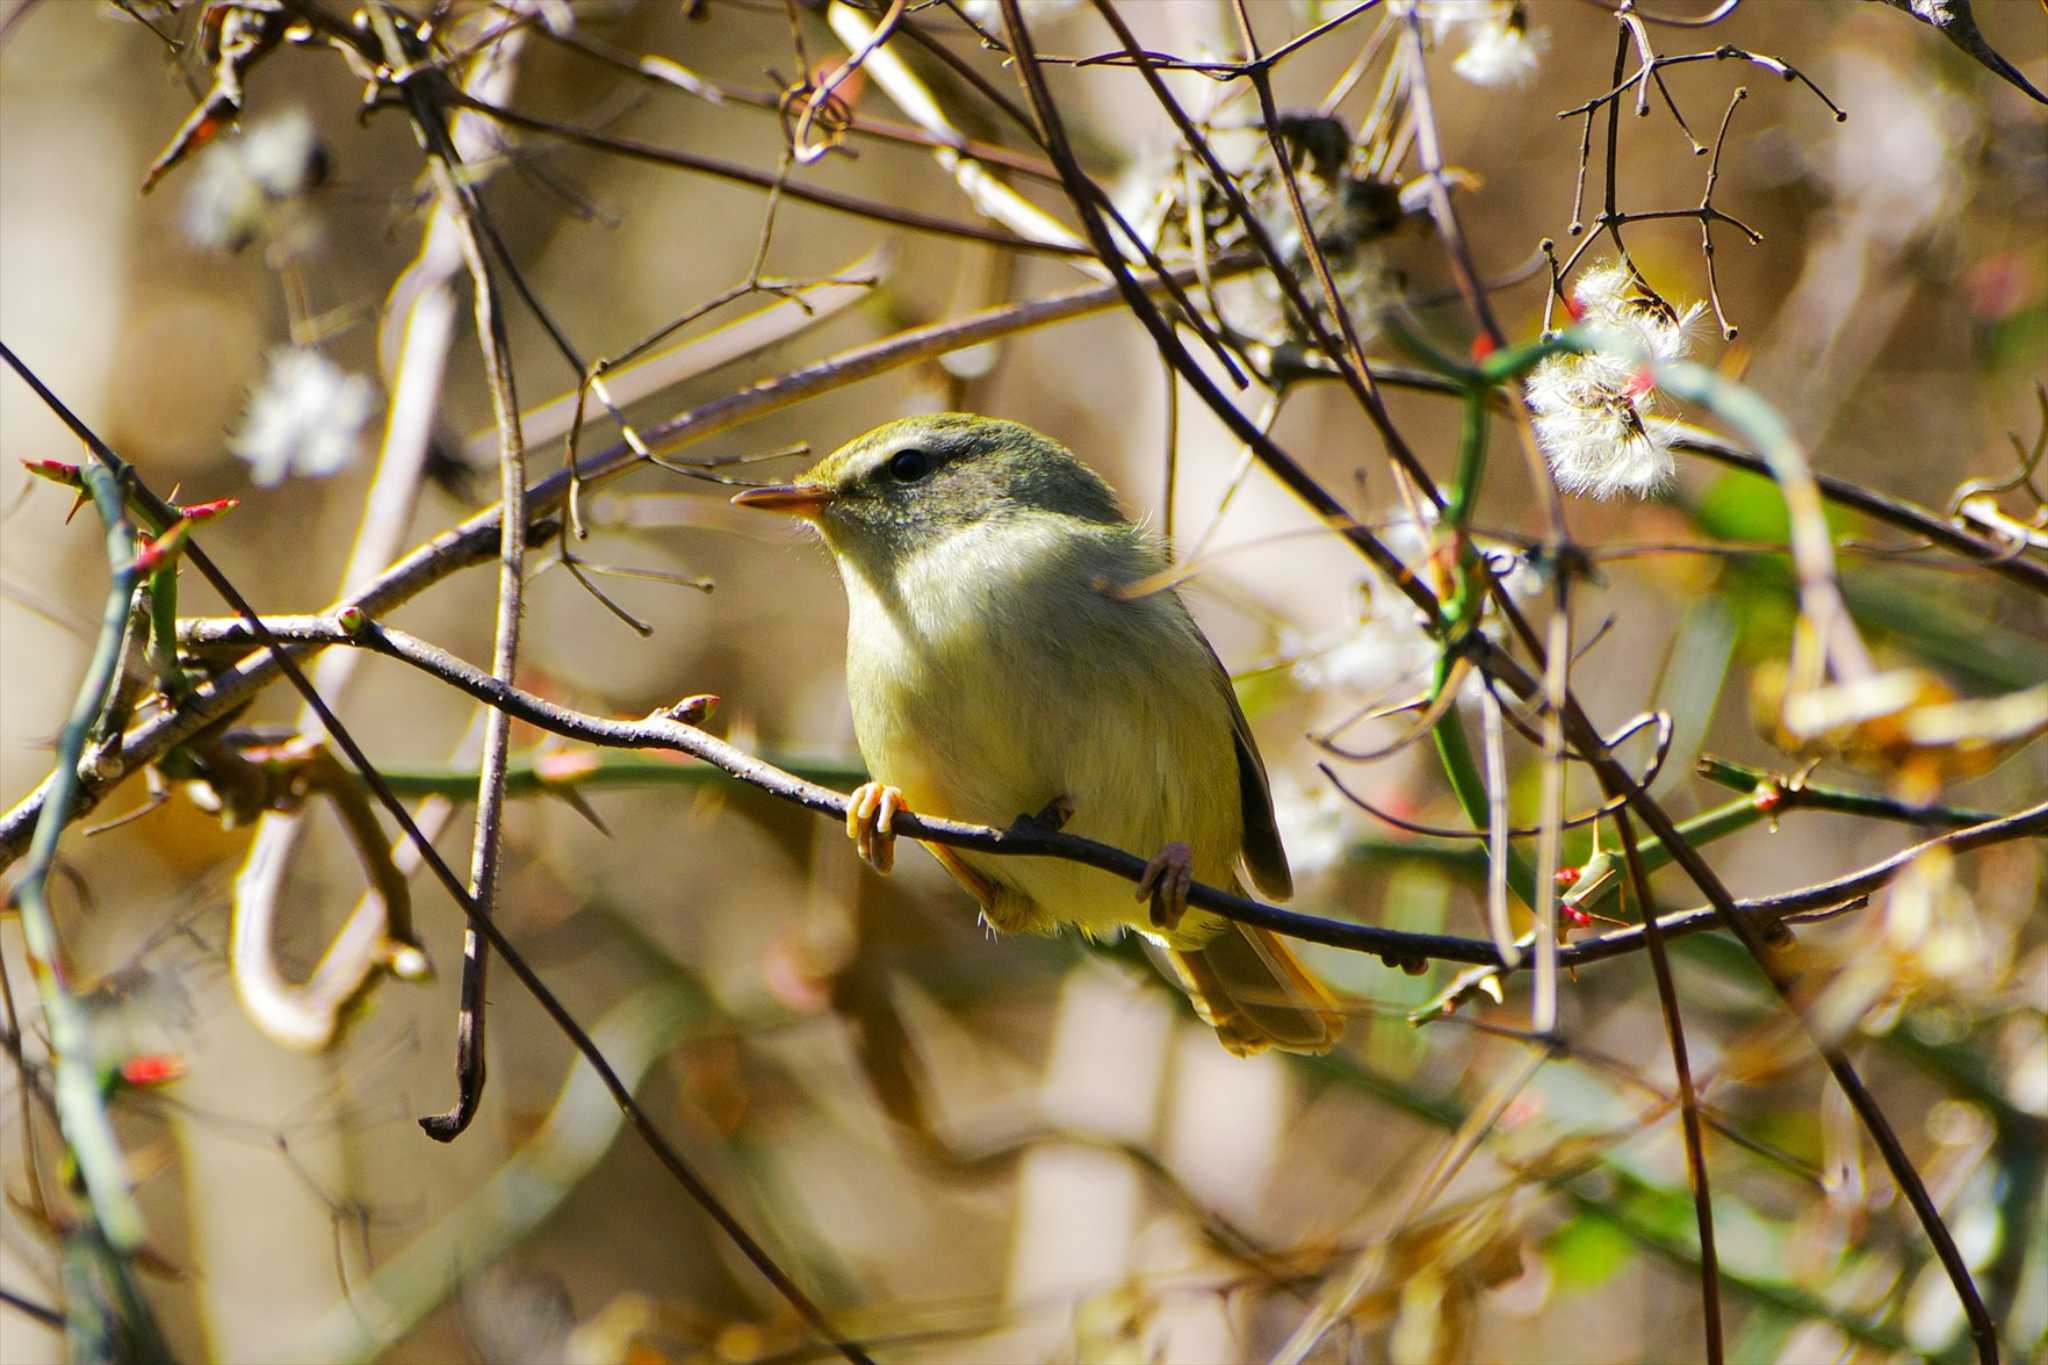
(1906,722)
(1435,1272)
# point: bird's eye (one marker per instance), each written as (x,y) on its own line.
(908,466)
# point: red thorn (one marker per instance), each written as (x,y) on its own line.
(1482,346)
(206,511)
(56,471)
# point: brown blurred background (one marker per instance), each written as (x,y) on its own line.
(928,1126)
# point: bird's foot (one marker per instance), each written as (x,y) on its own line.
(871,813)
(1166,881)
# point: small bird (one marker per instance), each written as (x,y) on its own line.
(996,671)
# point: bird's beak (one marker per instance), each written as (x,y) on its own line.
(805,500)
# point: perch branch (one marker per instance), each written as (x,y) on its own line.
(663,731)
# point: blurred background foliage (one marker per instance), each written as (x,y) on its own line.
(1029,1149)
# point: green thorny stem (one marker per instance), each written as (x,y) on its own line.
(160,591)
(1465,598)
(94,1254)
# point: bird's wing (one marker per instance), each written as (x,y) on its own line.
(1265,860)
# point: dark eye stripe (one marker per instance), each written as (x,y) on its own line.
(908,466)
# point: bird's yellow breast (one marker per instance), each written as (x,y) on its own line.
(991,673)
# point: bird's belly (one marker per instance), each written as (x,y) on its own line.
(957,738)
(986,725)
(991,765)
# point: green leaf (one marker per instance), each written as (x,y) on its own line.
(1741,505)
(1586,1252)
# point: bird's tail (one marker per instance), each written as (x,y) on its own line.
(1251,988)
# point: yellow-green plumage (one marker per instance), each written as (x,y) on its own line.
(994,668)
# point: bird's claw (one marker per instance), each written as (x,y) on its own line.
(1166,881)
(871,812)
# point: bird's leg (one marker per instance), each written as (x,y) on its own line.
(1166,881)
(870,819)
(981,888)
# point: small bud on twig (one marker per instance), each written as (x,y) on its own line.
(695,709)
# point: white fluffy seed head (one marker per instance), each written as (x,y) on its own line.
(242,181)
(306,418)
(1500,47)
(1503,51)
(1595,414)
(1614,298)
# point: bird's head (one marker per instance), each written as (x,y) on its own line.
(913,483)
